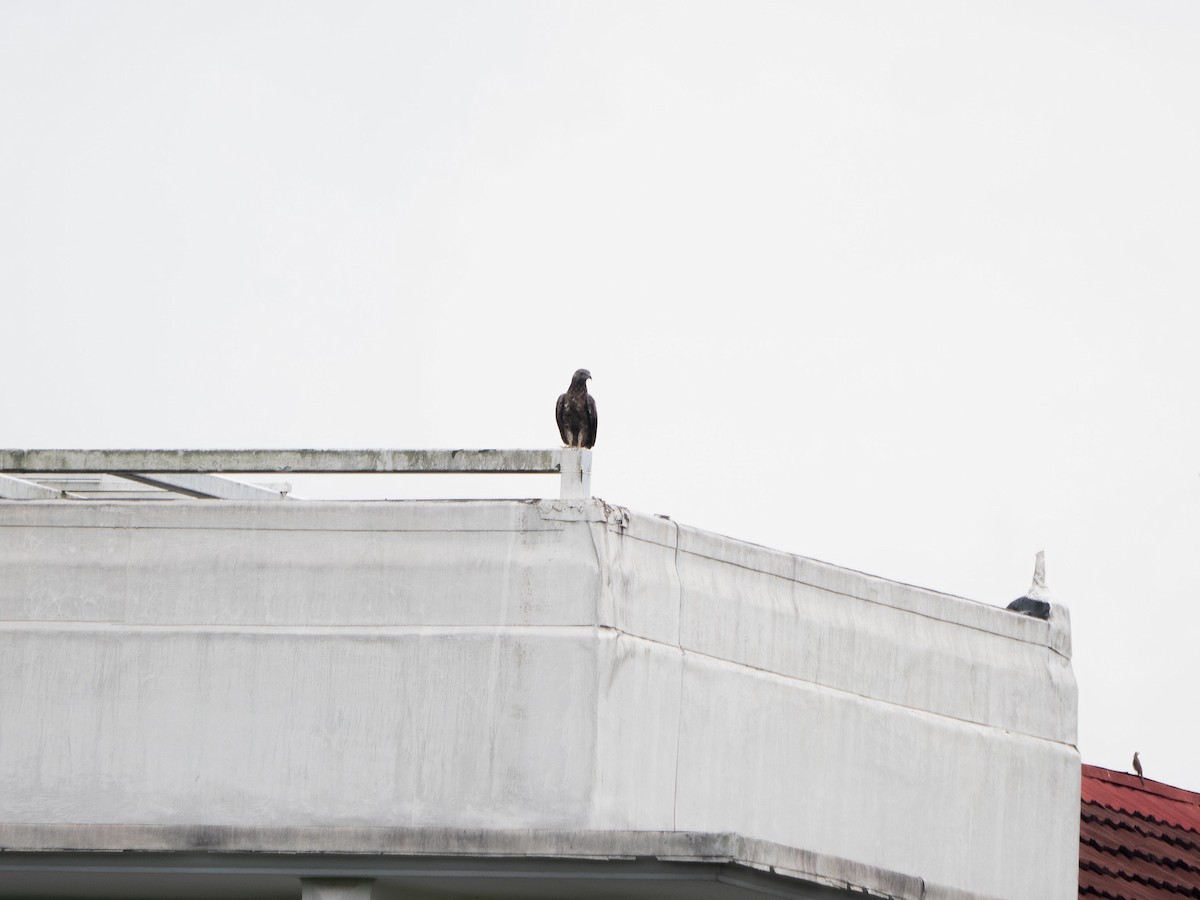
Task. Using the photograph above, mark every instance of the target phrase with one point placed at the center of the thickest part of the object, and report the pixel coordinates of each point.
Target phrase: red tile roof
(1137, 841)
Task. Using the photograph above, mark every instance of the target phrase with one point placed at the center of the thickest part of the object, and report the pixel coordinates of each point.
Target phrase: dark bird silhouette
(576, 412)
(1137, 767)
(1036, 601)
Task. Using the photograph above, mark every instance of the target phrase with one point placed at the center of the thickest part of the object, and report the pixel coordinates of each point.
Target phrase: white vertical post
(576, 474)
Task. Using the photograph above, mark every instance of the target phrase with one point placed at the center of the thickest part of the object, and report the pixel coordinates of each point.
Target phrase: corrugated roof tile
(1137, 840)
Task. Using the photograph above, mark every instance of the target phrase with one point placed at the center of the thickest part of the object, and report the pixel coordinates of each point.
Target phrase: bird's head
(581, 376)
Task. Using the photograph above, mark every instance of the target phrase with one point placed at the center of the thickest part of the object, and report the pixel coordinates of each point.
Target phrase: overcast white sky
(908, 287)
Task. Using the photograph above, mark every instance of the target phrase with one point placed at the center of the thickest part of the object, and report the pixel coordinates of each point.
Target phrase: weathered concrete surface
(548, 666)
(188, 470)
(191, 461)
(214, 487)
(21, 489)
(408, 859)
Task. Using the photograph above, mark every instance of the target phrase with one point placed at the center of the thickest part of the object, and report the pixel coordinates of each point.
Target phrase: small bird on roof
(1036, 601)
(576, 412)
(1137, 767)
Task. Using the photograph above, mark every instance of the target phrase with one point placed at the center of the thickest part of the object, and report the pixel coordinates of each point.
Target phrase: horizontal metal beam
(291, 461)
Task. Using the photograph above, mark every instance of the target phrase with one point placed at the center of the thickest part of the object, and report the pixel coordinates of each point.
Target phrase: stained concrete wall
(555, 665)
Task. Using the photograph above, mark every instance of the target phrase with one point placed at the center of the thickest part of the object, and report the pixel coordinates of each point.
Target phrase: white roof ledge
(313, 848)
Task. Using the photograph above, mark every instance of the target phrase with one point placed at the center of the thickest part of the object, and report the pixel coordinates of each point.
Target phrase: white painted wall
(538, 665)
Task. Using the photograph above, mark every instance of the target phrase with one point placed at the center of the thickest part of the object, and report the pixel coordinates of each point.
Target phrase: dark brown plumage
(576, 412)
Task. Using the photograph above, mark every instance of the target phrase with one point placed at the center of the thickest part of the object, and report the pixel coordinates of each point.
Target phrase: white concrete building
(554, 698)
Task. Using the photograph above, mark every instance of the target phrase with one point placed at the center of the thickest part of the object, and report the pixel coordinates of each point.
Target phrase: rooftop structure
(1138, 838)
(531, 698)
(171, 474)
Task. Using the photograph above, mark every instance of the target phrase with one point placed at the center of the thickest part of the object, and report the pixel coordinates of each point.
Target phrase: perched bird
(1137, 767)
(576, 412)
(1036, 601)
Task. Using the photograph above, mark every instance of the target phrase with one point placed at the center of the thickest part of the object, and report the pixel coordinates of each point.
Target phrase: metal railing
(45, 474)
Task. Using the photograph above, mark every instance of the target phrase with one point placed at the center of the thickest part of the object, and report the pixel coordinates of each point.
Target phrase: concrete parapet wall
(552, 665)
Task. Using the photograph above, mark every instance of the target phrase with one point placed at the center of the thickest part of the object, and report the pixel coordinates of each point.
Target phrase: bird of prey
(576, 412)
(1036, 601)
(1137, 767)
